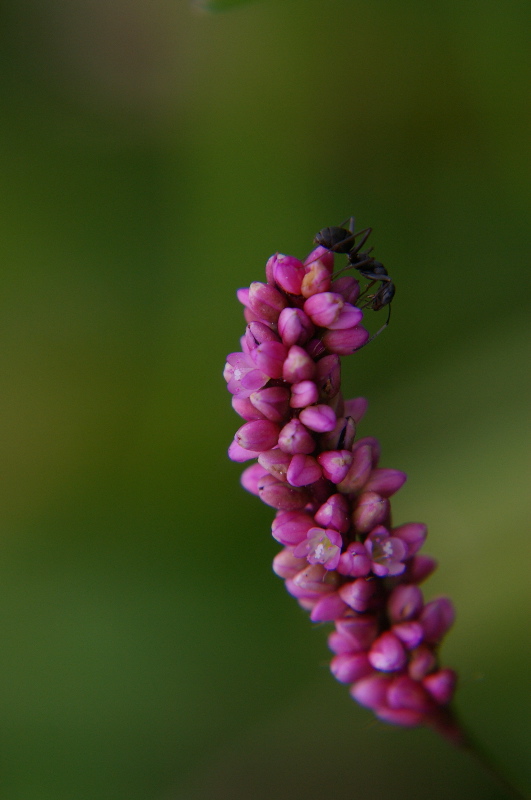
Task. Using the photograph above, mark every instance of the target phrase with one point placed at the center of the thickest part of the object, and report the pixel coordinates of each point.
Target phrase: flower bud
(348, 287)
(288, 273)
(265, 301)
(245, 409)
(303, 470)
(281, 495)
(441, 685)
(436, 618)
(303, 394)
(358, 472)
(350, 667)
(328, 608)
(295, 438)
(291, 527)
(258, 332)
(319, 418)
(323, 309)
(285, 565)
(269, 357)
(239, 454)
(356, 408)
(407, 693)
(345, 342)
(258, 435)
(342, 437)
(334, 513)
(276, 463)
(316, 280)
(359, 594)
(272, 402)
(387, 653)
(335, 464)
(370, 510)
(298, 366)
(295, 327)
(328, 376)
(251, 477)
(385, 481)
(405, 603)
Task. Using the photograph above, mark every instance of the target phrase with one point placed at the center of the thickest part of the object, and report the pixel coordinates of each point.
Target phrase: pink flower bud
(295, 327)
(285, 565)
(342, 437)
(345, 342)
(303, 394)
(348, 317)
(303, 470)
(413, 534)
(370, 510)
(328, 608)
(359, 594)
(265, 301)
(350, 667)
(356, 408)
(335, 464)
(244, 407)
(405, 603)
(239, 454)
(251, 477)
(358, 472)
(291, 527)
(348, 287)
(436, 618)
(298, 366)
(272, 402)
(276, 463)
(372, 691)
(334, 514)
(295, 438)
(409, 633)
(387, 653)
(258, 435)
(355, 561)
(281, 495)
(328, 376)
(319, 418)
(326, 257)
(422, 661)
(407, 693)
(324, 308)
(405, 717)
(361, 631)
(419, 568)
(374, 444)
(288, 273)
(316, 280)
(441, 685)
(385, 481)
(258, 332)
(315, 578)
(269, 357)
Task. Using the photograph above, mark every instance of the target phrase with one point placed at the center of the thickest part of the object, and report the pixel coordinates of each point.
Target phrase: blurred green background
(152, 158)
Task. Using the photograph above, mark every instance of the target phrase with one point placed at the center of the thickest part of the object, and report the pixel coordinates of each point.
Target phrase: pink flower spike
(328, 608)
(321, 547)
(295, 438)
(265, 301)
(386, 552)
(345, 342)
(441, 685)
(303, 394)
(298, 366)
(387, 653)
(269, 357)
(316, 280)
(335, 464)
(288, 273)
(272, 402)
(276, 463)
(350, 667)
(295, 327)
(291, 527)
(436, 619)
(251, 477)
(239, 454)
(334, 513)
(319, 418)
(356, 408)
(258, 435)
(280, 495)
(385, 481)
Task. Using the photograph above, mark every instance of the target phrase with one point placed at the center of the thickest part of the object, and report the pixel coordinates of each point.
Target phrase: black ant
(343, 240)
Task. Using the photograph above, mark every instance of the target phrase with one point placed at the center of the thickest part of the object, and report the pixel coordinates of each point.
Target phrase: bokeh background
(152, 157)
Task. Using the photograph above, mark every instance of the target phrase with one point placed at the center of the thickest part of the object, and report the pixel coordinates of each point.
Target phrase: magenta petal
(328, 608)
(387, 653)
(350, 667)
(303, 470)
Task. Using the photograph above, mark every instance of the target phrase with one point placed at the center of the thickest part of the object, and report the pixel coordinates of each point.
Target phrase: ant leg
(382, 328)
(351, 224)
(367, 232)
(373, 277)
